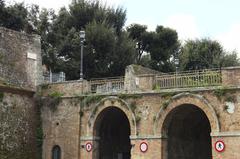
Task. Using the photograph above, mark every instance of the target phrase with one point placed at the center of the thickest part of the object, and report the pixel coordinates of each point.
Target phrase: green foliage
(221, 92)
(230, 98)
(226, 94)
(165, 104)
(137, 33)
(88, 100)
(133, 106)
(52, 100)
(164, 45)
(161, 45)
(55, 94)
(44, 86)
(156, 87)
(106, 42)
(129, 96)
(168, 94)
(14, 16)
(205, 53)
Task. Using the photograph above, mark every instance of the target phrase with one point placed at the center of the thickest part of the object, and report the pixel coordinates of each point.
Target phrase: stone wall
(19, 122)
(20, 59)
(67, 89)
(231, 76)
(71, 125)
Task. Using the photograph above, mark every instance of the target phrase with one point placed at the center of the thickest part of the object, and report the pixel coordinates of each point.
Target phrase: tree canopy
(109, 47)
(161, 44)
(205, 53)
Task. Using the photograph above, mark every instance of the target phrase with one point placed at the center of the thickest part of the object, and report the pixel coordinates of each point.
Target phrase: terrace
(147, 80)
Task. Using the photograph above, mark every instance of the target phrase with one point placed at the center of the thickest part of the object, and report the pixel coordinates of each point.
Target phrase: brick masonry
(77, 120)
(70, 121)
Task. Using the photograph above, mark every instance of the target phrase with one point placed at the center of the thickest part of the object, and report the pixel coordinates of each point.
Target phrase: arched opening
(112, 135)
(56, 152)
(187, 131)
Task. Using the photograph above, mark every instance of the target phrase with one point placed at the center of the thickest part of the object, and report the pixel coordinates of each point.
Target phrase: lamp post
(82, 39)
(176, 62)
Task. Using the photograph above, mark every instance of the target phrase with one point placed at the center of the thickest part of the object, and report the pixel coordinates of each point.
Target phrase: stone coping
(16, 90)
(152, 92)
(20, 33)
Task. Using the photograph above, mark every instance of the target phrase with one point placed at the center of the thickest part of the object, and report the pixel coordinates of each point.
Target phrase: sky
(214, 19)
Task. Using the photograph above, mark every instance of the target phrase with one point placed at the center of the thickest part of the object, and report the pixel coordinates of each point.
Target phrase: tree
(138, 33)
(104, 46)
(163, 46)
(205, 53)
(14, 16)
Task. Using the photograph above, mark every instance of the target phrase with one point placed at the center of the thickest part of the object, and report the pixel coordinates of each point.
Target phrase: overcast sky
(216, 19)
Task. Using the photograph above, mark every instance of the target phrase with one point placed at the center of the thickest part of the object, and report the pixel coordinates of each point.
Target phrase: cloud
(185, 25)
(230, 39)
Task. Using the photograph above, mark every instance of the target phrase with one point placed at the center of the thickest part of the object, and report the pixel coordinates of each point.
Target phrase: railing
(50, 77)
(9, 76)
(199, 78)
(107, 85)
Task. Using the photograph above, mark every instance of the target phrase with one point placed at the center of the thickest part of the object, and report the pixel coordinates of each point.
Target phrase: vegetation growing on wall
(225, 93)
(165, 104)
(129, 96)
(52, 100)
(86, 101)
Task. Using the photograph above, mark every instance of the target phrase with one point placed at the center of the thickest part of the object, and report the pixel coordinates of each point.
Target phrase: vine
(88, 100)
(51, 101)
(225, 93)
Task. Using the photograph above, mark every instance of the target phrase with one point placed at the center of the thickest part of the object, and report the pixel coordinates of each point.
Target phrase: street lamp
(176, 62)
(82, 39)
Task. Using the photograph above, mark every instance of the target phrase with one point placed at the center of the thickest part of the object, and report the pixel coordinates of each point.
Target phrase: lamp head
(82, 35)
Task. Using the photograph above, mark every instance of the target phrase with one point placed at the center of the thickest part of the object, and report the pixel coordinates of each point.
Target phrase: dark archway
(112, 133)
(56, 152)
(187, 129)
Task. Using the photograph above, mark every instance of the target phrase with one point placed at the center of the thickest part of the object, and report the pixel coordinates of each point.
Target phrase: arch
(56, 152)
(112, 134)
(182, 99)
(112, 101)
(187, 134)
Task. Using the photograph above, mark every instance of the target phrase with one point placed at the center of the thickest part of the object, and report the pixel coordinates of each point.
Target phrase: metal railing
(9, 76)
(50, 77)
(198, 78)
(107, 85)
